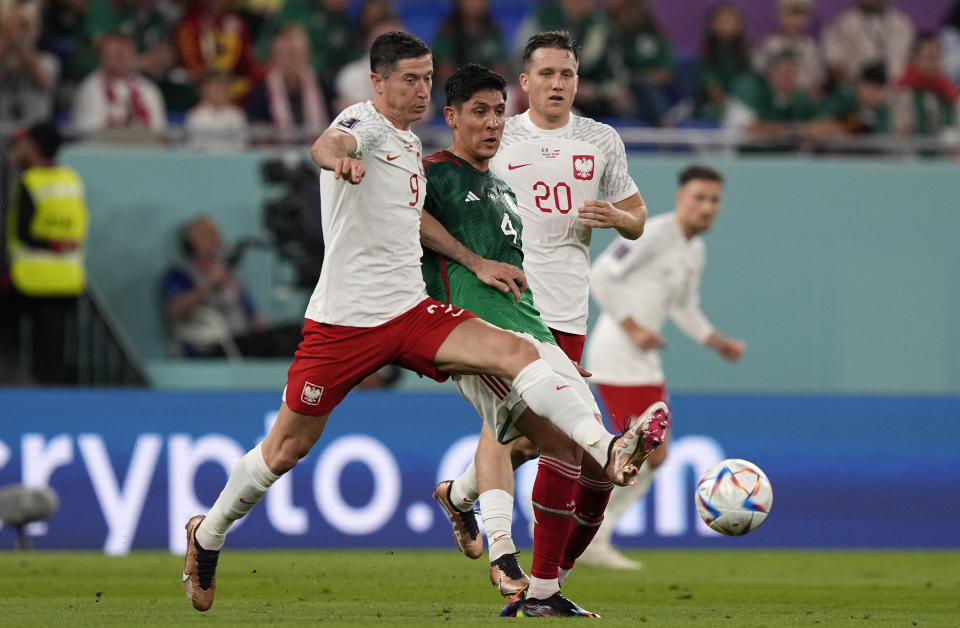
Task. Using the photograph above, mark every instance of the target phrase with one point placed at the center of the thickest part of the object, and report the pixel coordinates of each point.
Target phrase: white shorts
(500, 405)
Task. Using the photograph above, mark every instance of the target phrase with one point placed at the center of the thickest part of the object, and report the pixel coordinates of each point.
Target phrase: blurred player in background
(558, 164)
(638, 284)
(478, 209)
(370, 306)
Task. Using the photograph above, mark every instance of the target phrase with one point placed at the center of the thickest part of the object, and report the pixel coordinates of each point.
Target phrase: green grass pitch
(421, 588)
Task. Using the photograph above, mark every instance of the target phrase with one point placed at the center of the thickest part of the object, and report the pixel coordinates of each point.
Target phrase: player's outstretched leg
(199, 569)
(628, 451)
(466, 532)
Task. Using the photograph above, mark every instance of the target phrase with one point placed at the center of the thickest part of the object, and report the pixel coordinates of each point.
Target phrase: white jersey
(553, 172)
(647, 280)
(371, 231)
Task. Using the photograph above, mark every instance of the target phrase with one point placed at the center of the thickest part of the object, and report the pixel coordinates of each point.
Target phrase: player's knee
(517, 353)
(286, 456)
(522, 450)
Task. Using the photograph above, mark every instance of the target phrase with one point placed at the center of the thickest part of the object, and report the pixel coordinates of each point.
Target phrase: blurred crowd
(131, 70)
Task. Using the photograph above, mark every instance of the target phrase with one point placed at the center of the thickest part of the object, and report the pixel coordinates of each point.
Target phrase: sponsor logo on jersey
(549, 153)
(583, 167)
(471, 197)
(392, 157)
(515, 166)
(348, 123)
(311, 394)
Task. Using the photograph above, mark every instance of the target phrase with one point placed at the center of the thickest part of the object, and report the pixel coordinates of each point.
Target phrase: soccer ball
(734, 497)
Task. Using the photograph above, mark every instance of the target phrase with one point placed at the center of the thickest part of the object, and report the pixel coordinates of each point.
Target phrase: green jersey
(479, 210)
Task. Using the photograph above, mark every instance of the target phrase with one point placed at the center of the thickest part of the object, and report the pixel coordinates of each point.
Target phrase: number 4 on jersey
(507, 227)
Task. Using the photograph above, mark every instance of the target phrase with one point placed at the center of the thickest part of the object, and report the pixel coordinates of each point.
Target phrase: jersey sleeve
(616, 183)
(365, 125)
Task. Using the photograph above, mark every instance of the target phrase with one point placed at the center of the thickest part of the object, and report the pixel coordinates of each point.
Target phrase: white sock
(563, 575)
(542, 588)
(547, 395)
(621, 499)
(464, 491)
(496, 511)
(247, 484)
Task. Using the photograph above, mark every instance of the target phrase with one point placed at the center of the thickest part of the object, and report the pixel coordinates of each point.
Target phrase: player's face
(404, 95)
(550, 82)
(477, 126)
(697, 205)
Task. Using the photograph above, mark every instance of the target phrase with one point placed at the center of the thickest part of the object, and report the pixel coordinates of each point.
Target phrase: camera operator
(209, 312)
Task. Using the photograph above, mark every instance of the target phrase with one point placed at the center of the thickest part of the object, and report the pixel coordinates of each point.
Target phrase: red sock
(591, 497)
(553, 508)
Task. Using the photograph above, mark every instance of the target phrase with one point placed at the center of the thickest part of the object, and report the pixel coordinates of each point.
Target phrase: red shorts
(333, 359)
(625, 402)
(571, 344)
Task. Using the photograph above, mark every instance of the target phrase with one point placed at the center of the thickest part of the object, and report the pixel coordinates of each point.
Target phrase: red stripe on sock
(552, 493)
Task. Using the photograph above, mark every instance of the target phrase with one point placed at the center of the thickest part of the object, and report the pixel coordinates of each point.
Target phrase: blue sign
(131, 467)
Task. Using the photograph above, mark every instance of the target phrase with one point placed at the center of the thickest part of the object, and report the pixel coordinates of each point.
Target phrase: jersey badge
(583, 167)
(348, 123)
(311, 394)
(549, 153)
(471, 197)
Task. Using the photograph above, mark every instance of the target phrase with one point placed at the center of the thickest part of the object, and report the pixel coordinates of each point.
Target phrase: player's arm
(504, 277)
(332, 151)
(627, 216)
(691, 320)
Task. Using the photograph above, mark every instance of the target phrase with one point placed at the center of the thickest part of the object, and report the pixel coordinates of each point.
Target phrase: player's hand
(502, 276)
(598, 214)
(646, 339)
(350, 169)
(730, 349)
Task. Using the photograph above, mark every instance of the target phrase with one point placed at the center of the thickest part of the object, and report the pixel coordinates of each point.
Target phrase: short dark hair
(394, 46)
(694, 172)
(470, 79)
(46, 137)
(874, 74)
(560, 40)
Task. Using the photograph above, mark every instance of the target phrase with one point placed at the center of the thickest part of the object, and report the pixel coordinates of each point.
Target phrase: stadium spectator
(216, 124)
(353, 83)
(159, 64)
(950, 41)
(724, 58)
(28, 76)
(210, 313)
(602, 91)
(863, 109)
(290, 97)
(115, 96)
(144, 21)
(793, 36)
(771, 105)
(61, 34)
(329, 29)
(46, 227)
(868, 32)
(212, 37)
(469, 34)
(648, 56)
(926, 99)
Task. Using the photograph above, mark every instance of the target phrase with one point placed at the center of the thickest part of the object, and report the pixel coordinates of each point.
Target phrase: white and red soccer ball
(734, 497)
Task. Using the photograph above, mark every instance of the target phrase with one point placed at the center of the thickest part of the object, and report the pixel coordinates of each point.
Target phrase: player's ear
(450, 115)
(377, 81)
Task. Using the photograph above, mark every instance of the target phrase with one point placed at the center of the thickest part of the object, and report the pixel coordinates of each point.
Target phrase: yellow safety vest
(60, 213)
